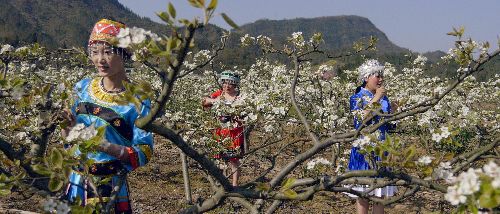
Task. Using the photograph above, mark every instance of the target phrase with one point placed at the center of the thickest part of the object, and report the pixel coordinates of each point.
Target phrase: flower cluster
(317, 161)
(443, 171)
(469, 182)
(420, 60)
(80, 132)
(362, 142)
(134, 35)
(59, 207)
(425, 160)
(443, 133)
(6, 48)
(247, 40)
(297, 39)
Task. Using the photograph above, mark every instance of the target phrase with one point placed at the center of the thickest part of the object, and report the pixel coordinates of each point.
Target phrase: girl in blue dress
(126, 147)
(371, 91)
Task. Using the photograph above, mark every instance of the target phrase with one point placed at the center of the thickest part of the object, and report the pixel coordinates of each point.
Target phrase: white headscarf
(368, 68)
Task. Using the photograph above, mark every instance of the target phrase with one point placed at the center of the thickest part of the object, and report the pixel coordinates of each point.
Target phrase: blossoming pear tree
(299, 125)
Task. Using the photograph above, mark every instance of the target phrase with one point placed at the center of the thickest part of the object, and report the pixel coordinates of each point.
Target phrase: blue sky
(418, 25)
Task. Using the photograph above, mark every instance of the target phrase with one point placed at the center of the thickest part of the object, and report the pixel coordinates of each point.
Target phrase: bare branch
(313, 137)
(176, 139)
(470, 157)
(169, 84)
(209, 60)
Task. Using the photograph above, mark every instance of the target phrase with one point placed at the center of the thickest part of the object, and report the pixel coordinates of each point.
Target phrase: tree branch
(176, 139)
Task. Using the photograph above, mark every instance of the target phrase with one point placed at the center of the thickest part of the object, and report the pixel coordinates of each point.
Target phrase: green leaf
(67, 171)
(4, 178)
(487, 198)
(4, 192)
(376, 105)
(42, 170)
(77, 209)
(105, 180)
(171, 10)
(170, 44)
(19, 176)
(55, 183)
(428, 171)
(410, 152)
(229, 21)
(263, 187)
(287, 184)
(56, 159)
(184, 21)
(88, 209)
(290, 194)
(452, 33)
(163, 16)
(212, 5)
(195, 3)
(101, 131)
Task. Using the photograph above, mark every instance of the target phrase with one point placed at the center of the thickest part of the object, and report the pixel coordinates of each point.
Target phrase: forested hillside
(63, 24)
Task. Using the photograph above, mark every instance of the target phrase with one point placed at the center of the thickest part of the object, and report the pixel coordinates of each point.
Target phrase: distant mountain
(339, 32)
(434, 56)
(63, 23)
(66, 23)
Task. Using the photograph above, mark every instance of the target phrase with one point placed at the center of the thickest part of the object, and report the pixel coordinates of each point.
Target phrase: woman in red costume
(228, 95)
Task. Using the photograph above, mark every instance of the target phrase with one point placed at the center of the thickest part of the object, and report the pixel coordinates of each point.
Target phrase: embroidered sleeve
(141, 150)
(216, 94)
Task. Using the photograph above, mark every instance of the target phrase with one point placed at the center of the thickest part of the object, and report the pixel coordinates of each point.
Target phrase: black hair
(124, 53)
(361, 86)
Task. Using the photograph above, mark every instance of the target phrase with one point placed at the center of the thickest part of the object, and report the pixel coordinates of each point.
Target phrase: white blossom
(269, 128)
(21, 135)
(137, 35)
(469, 182)
(22, 49)
(49, 205)
(443, 171)
(454, 197)
(492, 170)
(62, 208)
(79, 131)
(17, 93)
(124, 32)
(312, 164)
(425, 160)
(445, 133)
(61, 87)
(436, 137)
(6, 48)
(420, 60)
(124, 42)
(247, 40)
(361, 142)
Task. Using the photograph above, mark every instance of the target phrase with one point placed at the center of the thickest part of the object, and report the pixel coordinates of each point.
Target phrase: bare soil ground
(158, 188)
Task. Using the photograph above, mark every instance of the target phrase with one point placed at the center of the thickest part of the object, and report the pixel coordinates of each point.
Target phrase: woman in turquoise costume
(126, 147)
(371, 91)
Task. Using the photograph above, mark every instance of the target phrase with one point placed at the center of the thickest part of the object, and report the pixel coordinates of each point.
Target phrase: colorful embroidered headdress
(105, 30)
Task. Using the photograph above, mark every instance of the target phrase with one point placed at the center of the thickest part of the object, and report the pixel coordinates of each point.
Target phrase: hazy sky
(418, 25)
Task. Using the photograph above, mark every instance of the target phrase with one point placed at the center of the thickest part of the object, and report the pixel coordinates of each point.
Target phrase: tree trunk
(185, 174)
